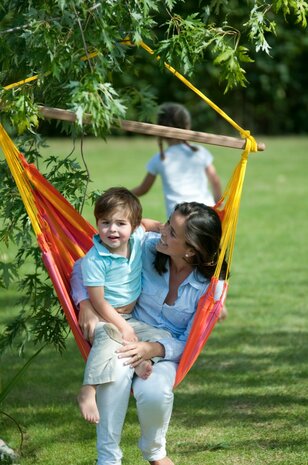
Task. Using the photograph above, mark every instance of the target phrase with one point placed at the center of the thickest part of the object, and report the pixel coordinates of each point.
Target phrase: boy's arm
(145, 186)
(151, 225)
(109, 314)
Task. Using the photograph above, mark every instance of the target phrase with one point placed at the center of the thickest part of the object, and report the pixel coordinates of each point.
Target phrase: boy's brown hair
(116, 197)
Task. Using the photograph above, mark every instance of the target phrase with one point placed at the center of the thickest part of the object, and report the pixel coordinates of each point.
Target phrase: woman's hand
(137, 352)
(87, 319)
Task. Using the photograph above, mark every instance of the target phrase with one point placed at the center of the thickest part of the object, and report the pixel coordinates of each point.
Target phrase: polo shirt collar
(102, 249)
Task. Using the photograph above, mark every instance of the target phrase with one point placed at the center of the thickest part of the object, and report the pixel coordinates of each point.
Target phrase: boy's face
(115, 230)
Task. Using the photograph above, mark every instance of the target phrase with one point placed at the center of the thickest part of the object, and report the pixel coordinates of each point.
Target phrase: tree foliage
(79, 54)
(54, 39)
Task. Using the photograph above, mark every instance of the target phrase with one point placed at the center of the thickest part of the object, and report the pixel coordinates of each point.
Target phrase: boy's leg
(87, 403)
(99, 369)
(154, 398)
(145, 368)
(148, 333)
(113, 332)
(101, 359)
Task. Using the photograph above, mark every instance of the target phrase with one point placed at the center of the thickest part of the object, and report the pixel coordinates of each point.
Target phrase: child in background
(111, 272)
(186, 170)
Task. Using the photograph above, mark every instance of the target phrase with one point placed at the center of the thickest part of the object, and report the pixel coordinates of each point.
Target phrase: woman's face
(172, 240)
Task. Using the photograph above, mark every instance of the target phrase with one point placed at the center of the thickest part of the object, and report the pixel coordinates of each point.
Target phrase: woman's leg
(112, 402)
(154, 398)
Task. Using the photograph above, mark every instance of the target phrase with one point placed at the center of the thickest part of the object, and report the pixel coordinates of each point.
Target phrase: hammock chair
(63, 235)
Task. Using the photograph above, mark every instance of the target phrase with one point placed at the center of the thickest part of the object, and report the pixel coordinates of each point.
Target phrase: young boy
(111, 272)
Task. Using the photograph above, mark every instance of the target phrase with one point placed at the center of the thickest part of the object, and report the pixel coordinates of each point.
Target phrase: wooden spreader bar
(156, 130)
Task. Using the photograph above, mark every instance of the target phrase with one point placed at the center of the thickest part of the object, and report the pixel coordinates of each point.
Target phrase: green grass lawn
(245, 400)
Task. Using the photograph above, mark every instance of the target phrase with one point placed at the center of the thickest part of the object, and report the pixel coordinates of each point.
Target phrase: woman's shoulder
(149, 243)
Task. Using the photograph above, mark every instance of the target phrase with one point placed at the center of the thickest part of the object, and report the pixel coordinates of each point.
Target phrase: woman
(177, 268)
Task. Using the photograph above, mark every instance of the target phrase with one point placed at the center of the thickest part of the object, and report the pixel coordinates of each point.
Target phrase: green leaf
(225, 56)
(8, 272)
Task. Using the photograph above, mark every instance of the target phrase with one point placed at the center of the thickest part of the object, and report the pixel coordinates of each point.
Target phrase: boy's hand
(128, 334)
(87, 319)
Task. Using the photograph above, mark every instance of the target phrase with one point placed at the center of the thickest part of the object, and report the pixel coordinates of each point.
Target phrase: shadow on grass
(207, 445)
(251, 369)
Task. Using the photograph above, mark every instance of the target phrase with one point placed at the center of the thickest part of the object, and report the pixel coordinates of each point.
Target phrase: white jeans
(154, 399)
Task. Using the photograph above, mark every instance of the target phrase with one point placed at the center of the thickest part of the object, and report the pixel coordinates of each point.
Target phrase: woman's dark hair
(203, 234)
(116, 197)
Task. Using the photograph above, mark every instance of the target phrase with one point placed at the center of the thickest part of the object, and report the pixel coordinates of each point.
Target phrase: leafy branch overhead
(55, 40)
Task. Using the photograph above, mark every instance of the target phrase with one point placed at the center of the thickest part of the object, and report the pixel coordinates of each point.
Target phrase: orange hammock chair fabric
(64, 236)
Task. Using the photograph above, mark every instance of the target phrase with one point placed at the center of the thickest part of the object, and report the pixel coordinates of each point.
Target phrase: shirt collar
(195, 279)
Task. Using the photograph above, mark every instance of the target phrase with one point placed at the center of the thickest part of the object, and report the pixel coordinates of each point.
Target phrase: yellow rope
(21, 83)
(244, 133)
(231, 204)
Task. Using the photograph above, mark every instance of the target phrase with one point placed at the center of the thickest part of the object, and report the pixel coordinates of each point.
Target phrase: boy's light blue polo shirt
(120, 277)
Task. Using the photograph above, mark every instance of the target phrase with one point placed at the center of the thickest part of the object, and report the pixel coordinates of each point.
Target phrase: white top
(183, 175)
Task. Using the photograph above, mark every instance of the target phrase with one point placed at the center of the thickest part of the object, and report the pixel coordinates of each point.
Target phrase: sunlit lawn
(245, 400)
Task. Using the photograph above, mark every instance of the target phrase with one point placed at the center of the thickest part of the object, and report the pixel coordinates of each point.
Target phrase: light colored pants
(100, 363)
(154, 400)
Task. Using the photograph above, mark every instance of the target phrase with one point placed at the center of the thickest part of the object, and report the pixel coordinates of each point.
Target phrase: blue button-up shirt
(152, 309)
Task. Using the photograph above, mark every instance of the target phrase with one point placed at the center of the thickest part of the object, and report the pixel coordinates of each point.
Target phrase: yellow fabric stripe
(11, 154)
